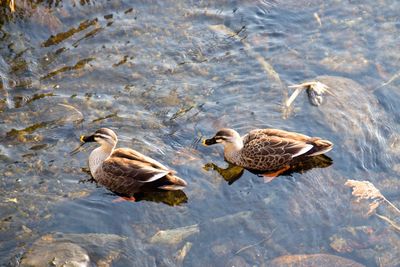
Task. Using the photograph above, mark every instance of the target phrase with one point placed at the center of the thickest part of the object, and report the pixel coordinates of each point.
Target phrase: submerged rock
(350, 107)
(312, 260)
(345, 62)
(351, 238)
(355, 117)
(174, 236)
(177, 235)
(72, 250)
(237, 261)
(368, 243)
(60, 254)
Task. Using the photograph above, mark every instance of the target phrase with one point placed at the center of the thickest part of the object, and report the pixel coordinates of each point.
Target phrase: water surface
(167, 73)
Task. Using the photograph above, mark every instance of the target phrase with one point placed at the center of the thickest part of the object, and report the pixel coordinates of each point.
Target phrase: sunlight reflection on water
(162, 78)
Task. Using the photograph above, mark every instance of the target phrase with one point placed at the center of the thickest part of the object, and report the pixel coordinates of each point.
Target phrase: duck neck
(98, 156)
(232, 150)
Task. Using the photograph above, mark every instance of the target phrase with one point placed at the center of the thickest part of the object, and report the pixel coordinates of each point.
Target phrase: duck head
(104, 136)
(226, 137)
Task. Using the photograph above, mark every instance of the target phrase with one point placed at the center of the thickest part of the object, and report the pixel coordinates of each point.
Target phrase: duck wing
(134, 155)
(275, 132)
(319, 146)
(131, 165)
(273, 151)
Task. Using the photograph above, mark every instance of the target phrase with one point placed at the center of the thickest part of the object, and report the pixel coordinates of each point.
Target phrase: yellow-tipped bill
(209, 142)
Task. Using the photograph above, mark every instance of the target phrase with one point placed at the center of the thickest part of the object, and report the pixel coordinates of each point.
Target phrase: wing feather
(134, 155)
(273, 149)
(132, 170)
(276, 132)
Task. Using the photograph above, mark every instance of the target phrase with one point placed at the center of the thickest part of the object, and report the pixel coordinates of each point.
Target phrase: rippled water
(165, 74)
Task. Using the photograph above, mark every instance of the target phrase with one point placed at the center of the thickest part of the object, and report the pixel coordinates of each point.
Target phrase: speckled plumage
(268, 149)
(126, 171)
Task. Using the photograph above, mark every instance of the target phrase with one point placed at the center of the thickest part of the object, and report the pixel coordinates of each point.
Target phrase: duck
(264, 150)
(124, 170)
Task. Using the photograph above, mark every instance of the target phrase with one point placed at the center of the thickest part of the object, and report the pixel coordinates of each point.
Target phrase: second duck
(267, 149)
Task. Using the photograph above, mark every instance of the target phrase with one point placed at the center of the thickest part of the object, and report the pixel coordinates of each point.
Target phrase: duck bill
(87, 138)
(209, 142)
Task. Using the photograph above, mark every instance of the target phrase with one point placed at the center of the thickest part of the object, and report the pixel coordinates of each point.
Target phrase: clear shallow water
(163, 77)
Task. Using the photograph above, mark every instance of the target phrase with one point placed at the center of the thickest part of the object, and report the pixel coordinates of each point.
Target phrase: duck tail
(173, 182)
(320, 147)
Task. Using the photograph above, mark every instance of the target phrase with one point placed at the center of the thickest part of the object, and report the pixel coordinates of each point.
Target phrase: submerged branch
(392, 223)
(393, 78)
(391, 205)
(256, 244)
(12, 5)
(293, 96)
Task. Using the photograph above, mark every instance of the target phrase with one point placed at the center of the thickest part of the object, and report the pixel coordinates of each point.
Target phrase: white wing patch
(321, 152)
(304, 150)
(156, 176)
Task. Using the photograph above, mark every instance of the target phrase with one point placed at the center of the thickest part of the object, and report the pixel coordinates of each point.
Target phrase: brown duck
(268, 149)
(124, 170)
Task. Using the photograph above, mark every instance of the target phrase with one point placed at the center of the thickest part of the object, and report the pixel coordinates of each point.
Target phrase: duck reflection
(232, 173)
(171, 198)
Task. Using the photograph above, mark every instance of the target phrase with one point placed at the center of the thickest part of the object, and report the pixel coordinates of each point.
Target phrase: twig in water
(293, 97)
(317, 87)
(80, 115)
(392, 223)
(394, 77)
(318, 19)
(256, 244)
(12, 5)
(77, 149)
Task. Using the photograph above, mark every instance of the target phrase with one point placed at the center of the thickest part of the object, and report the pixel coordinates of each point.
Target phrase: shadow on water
(232, 173)
(171, 198)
